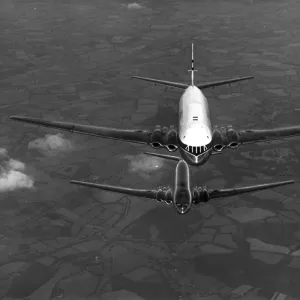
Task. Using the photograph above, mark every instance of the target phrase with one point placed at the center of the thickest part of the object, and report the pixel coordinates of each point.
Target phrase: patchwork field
(72, 61)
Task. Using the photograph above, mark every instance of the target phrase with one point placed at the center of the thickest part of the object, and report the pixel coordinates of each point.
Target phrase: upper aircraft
(181, 195)
(195, 137)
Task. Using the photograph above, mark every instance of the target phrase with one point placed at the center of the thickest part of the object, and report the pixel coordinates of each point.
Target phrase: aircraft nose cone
(183, 208)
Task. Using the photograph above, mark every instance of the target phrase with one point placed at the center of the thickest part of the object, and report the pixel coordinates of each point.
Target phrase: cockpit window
(196, 150)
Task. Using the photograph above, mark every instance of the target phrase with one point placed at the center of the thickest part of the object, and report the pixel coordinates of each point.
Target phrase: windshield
(196, 150)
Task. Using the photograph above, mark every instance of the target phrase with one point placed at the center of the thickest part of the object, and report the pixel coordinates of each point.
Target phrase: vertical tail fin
(192, 70)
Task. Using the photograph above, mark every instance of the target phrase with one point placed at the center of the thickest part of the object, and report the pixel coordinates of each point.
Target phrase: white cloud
(51, 144)
(144, 164)
(15, 165)
(3, 152)
(12, 174)
(134, 6)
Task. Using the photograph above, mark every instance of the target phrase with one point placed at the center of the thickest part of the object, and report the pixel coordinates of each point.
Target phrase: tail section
(192, 70)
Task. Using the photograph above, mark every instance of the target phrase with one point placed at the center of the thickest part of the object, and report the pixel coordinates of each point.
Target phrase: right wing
(150, 194)
(251, 136)
(247, 189)
(135, 136)
(200, 86)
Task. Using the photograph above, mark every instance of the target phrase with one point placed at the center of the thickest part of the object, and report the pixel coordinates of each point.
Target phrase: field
(72, 61)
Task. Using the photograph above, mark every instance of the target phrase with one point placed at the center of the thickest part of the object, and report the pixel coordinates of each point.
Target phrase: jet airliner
(181, 196)
(195, 136)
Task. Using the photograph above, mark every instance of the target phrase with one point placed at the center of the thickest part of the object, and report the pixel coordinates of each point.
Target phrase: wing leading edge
(136, 136)
(200, 86)
(152, 194)
(264, 135)
(144, 136)
(247, 189)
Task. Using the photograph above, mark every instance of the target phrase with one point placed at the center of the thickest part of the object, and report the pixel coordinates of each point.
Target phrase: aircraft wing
(135, 136)
(200, 86)
(265, 135)
(247, 189)
(150, 194)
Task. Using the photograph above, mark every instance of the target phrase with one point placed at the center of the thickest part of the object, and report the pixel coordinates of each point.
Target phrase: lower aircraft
(195, 137)
(181, 195)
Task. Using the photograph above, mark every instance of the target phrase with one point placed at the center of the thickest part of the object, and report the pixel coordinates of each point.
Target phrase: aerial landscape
(72, 61)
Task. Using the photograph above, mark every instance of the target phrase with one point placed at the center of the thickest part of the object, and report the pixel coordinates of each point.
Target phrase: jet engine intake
(164, 194)
(225, 137)
(171, 137)
(157, 138)
(156, 145)
(171, 148)
(200, 195)
(164, 137)
(218, 145)
(233, 138)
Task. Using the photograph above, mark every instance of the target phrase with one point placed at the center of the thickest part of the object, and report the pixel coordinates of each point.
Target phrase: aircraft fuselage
(194, 128)
(182, 199)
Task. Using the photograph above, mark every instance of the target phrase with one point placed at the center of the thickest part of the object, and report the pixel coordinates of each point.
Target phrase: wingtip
(288, 182)
(18, 118)
(74, 181)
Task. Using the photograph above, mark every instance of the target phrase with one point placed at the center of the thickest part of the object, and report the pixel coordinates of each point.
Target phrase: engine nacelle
(171, 148)
(164, 137)
(164, 194)
(200, 195)
(218, 144)
(225, 137)
(171, 140)
(233, 138)
(157, 138)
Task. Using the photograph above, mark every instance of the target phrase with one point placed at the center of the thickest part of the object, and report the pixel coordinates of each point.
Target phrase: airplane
(195, 137)
(181, 195)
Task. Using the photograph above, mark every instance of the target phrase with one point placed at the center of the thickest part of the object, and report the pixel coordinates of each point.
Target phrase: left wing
(247, 189)
(263, 135)
(150, 194)
(135, 136)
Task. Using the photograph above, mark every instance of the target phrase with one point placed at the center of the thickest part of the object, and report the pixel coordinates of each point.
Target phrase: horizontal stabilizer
(223, 82)
(200, 86)
(163, 82)
(171, 157)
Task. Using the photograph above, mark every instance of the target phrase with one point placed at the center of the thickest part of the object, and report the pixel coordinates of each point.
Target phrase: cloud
(134, 6)
(144, 164)
(51, 144)
(12, 174)
(3, 152)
